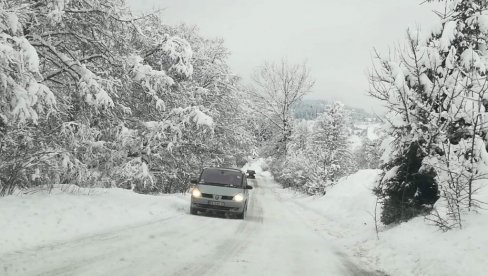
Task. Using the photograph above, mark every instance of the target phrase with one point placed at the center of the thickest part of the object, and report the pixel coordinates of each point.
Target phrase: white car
(220, 190)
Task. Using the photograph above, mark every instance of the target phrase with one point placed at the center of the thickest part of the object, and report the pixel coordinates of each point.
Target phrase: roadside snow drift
(411, 248)
(30, 220)
(280, 221)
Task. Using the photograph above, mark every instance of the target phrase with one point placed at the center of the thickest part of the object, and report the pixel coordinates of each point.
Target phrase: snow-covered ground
(68, 212)
(118, 232)
(82, 234)
(412, 248)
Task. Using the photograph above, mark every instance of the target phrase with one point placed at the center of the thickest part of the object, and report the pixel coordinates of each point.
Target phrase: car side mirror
(248, 187)
(194, 181)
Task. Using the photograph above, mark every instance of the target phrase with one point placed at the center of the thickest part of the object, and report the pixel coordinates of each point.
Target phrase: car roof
(225, 169)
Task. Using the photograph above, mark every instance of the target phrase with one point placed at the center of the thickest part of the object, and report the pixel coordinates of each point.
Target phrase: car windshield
(221, 177)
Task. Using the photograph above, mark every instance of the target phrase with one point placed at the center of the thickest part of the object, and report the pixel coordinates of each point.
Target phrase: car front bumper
(229, 206)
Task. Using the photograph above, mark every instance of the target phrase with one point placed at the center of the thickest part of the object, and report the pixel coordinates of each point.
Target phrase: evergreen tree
(330, 147)
(435, 91)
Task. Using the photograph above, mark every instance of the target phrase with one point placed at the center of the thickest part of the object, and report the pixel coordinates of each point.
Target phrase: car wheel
(243, 214)
(193, 211)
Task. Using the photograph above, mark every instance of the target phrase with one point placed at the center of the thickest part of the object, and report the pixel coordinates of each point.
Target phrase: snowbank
(29, 220)
(416, 248)
(412, 248)
(349, 205)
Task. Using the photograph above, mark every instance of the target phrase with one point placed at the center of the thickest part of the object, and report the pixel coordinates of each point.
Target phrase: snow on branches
(56, 8)
(180, 53)
(319, 152)
(153, 81)
(92, 90)
(438, 87)
(130, 95)
(23, 95)
(179, 119)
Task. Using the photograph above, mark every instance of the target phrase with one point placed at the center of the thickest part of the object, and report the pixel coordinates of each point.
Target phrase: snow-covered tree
(296, 171)
(220, 135)
(435, 91)
(94, 96)
(330, 147)
(368, 155)
(24, 99)
(318, 153)
(278, 87)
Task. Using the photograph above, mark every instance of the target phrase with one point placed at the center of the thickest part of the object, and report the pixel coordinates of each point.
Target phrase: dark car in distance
(251, 174)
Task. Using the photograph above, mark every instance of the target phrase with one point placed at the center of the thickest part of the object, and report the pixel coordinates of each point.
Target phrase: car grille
(215, 207)
(212, 196)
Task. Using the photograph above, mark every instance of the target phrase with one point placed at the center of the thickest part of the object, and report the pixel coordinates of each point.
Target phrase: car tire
(193, 211)
(243, 214)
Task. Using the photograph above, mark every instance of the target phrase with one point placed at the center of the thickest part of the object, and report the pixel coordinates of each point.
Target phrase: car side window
(244, 182)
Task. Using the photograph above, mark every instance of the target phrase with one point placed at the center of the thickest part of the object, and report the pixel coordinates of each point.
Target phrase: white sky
(336, 37)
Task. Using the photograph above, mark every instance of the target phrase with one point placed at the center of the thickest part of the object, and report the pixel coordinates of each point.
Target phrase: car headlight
(239, 197)
(196, 193)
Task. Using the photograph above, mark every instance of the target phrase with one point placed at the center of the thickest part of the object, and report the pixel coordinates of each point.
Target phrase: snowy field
(105, 231)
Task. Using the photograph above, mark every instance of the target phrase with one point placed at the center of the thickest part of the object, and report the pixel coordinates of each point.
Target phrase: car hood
(218, 190)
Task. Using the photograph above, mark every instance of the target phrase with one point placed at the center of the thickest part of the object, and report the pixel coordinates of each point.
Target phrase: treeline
(92, 95)
(319, 151)
(308, 154)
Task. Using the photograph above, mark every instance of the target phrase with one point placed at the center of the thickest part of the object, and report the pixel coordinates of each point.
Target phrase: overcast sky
(336, 37)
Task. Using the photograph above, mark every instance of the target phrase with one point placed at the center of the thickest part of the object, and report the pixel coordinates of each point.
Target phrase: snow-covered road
(278, 237)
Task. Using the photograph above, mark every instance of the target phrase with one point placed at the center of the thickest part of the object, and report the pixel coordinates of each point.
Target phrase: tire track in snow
(31, 256)
(75, 257)
(352, 267)
(229, 247)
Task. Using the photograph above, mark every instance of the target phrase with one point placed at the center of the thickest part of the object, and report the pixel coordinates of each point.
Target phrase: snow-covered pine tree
(463, 169)
(435, 90)
(330, 148)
